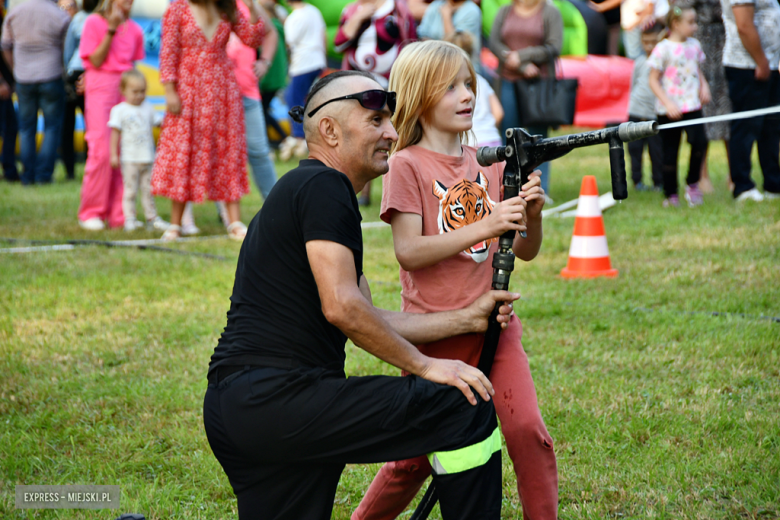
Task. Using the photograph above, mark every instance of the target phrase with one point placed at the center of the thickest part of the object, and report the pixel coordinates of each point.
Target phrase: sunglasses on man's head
(369, 99)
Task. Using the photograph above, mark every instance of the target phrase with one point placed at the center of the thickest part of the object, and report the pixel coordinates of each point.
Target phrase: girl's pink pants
(529, 445)
(101, 191)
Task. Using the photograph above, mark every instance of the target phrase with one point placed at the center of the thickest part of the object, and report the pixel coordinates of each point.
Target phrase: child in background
(440, 204)
(131, 122)
(275, 78)
(641, 108)
(488, 111)
(678, 83)
(304, 33)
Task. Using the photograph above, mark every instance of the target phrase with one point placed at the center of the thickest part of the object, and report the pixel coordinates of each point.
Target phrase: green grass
(657, 408)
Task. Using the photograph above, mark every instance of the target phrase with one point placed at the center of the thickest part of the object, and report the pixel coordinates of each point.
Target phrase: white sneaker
(189, 229)
(157, 223)
(132, 225)
(754, 195)
(92, 224)
(768, 195)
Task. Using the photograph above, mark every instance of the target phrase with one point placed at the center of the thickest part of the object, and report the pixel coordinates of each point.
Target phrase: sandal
(237, 231)
(172, 233)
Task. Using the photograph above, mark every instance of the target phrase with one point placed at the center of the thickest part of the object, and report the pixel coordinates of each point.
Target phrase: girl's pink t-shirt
(679, 64)
(127, 46)
(449, 193)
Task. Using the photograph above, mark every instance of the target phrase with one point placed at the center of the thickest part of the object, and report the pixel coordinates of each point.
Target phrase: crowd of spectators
(60, 57)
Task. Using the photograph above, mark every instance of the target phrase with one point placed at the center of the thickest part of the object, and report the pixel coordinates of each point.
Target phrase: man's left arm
(425, 328)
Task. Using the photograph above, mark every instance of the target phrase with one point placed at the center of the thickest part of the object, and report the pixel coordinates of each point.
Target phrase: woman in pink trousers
(110, 44)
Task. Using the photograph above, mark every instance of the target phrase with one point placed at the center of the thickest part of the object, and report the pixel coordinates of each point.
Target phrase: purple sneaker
(694, 195)
(672, 201)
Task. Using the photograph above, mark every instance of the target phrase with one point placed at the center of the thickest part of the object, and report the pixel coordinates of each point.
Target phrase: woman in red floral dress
(202, 149)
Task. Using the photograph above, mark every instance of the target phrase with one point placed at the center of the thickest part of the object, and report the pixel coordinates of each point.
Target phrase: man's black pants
(747, 93)
(283, 437)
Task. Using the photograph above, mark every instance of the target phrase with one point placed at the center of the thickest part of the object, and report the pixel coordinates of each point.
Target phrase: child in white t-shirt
(488, 111)
(131, 123)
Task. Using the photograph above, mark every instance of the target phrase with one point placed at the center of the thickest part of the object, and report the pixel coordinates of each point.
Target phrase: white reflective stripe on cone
(588, 247)
(588, 206)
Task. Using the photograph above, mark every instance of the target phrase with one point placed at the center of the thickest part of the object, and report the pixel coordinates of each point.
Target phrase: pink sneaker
(694, 195)
(672, 201)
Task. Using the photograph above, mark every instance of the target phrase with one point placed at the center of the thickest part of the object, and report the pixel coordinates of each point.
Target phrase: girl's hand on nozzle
(533, 194)
(506, 215)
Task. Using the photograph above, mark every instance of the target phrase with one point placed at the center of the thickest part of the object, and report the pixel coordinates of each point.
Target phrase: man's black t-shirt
(275, 309)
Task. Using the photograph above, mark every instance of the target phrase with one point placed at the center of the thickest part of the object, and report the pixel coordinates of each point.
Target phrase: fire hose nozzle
(628, 132)
(488, 155)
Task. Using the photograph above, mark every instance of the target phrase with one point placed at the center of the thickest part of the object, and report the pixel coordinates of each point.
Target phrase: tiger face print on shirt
(465, 203)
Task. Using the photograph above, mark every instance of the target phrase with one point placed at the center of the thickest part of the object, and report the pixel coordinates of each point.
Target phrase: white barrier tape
(725, 117)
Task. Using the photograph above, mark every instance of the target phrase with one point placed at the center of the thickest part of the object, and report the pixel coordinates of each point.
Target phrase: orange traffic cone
(588, 254)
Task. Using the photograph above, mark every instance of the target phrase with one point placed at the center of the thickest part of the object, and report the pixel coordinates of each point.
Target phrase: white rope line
(140, 242)
(725, 117)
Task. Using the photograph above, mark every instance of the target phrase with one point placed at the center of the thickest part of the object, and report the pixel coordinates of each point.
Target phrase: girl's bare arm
(416, 251)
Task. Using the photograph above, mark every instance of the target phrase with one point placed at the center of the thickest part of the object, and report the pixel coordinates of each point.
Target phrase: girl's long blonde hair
(420, 77)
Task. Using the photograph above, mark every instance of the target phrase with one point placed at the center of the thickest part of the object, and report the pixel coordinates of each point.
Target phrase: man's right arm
(748, 34)
(345, 306)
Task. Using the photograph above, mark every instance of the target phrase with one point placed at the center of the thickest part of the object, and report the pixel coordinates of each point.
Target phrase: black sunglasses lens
(374, 99)
(391, 102)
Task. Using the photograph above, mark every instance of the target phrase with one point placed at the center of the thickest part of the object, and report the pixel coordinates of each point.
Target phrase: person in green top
(275, 79)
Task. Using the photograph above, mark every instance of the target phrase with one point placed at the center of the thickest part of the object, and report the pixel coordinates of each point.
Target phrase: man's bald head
(333, 86)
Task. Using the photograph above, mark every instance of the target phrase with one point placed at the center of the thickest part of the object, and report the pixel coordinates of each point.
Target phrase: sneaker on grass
(189, 229)
(693, 195)
(754, 195)
(768, 195)
(672, 201)
(157, 223)
(133, 225)
(92, 224)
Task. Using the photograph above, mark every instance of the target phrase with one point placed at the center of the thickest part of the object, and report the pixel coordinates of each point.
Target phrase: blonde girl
(445, 215)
